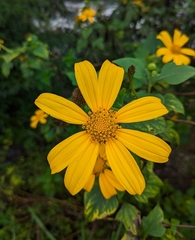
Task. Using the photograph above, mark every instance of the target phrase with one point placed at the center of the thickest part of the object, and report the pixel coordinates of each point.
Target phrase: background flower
(38, 117)
(173, 48)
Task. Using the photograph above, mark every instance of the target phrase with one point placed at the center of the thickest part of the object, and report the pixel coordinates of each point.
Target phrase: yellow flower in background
(39, 116)
(86, 14)
(138, 2)
(107, 180)
(80, 151)
(173, 50)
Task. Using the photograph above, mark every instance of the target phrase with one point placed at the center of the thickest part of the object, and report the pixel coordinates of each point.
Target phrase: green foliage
(152, 223)
(96, 206)
(37, 57)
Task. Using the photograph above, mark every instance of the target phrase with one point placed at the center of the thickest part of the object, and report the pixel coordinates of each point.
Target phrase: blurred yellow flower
(107, 180)
(39, 116)
(173, 48)
(101, 127)
(138, 2)
(86, 14)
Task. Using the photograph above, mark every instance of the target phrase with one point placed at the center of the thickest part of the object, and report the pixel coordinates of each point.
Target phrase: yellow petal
(188, 51)
(145, 145)
(79, 171)
(165, 37)
(61, 108)
(89, 185)
(179, 39)
(68, 151)
(34, 123)
(43, 120)
(141, 109)
(167, 58)
(110, 80)
(124, 167)
(163, 51)
(113, 180)
(180, 59)
(87, 81)
(106, 187)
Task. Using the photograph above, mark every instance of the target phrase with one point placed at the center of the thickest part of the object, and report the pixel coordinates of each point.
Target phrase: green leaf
(5, 68)
(170, 134)
(96, 206)
(98, 43)
(154, 126)
(174, 223)
(191, 206)
(13, 54)
(172, 103)
(140, 73)
(168, 235)
(72, 78)
(153, 184)
(128, 215)
(40, 224)
(174, 74)
(152, 224)
(41, 51)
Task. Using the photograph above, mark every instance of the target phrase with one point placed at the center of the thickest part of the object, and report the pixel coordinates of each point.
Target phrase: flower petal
(124, 167)
(188, 51)
(144, 145)
(68, 151)
(113, 180)
(180, 59)
(163, 51)
(179, 39)
(87, 81)
(165, 37)
(167, 58)
(141, 109)
(61, 108)
(89, 185)
(110, 80)
(106, 187)
(79, 171)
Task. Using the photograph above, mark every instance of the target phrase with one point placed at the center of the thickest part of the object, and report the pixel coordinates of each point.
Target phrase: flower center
(101, 125)
(175, 49)
(100, 165)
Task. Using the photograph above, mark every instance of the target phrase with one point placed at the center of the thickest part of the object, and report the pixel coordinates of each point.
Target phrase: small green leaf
(191, 206)
(172, 103)
(153, 184)
(152, 224)
(168, 235)
(174, 223)
(72, 78)
(5, 68)
(128, 215)
(127, 62)
(96, 206)
(154, 126)
(174, 74)
(41, 51)
(170, 134)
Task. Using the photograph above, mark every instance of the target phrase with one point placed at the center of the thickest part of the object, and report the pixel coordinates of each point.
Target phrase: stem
(131, 72)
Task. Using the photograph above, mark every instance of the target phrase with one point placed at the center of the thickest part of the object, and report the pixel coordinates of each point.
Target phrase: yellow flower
(138, 2)
(107, 180)
(101, 126)
(173, 48)
(38, 117)
(87, 14)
